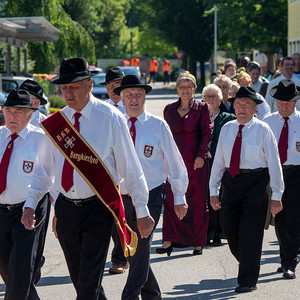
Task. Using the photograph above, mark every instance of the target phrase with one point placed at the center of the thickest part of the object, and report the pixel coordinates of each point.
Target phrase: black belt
(286, 167)
(248, 171)
(11, 207)
(79, 202)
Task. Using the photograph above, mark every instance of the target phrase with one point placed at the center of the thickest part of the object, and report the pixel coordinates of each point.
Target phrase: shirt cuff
(142, 211)
(179, 199)
(30, 202)
(276, 196)
(214, 192)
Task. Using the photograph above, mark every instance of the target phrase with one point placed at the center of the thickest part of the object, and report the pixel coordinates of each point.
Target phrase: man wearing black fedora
(247, 164)
(83, 222)
(37, 98)
(113, 80)
(285, 125)
(19, 143)
(160, 160)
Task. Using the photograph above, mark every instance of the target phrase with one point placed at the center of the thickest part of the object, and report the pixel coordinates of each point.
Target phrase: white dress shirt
(120, 106)
(37, 118)
(159, 155)
(104, 128)
(259, 150)
(272, 101)
(21, 164)
(276, 122)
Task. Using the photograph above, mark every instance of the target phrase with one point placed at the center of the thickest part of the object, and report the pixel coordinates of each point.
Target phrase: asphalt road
(182, 275)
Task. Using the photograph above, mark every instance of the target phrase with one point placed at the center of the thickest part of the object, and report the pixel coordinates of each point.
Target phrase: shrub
(57, 101)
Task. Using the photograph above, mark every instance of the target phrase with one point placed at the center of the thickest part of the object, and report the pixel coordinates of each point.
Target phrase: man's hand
(28, 218)
(275, 207)
(180, 210)
(54, 220)
(215, 203)
(145, 226)
(199, 162)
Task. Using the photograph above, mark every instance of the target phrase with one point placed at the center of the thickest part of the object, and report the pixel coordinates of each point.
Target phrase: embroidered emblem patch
(69, 142)
(298, 146)
(148, 150)
(27, 166)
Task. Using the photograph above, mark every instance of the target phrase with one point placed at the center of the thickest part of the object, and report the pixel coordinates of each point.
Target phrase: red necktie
(115, 105)
(67, 172)
(5, 162)
(283, 141)
(132, 129)
(234, 167)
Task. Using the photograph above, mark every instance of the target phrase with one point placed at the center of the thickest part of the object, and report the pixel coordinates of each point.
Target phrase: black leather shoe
(245, 289)
(280, 269)
(198, 252)
(217, 242)
(289, 273)
(162, 250)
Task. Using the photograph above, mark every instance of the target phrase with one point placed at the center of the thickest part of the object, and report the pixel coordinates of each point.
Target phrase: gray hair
(223, 78)
(213, 87)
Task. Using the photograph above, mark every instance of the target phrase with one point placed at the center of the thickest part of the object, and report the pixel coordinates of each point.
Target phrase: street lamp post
(215, 36)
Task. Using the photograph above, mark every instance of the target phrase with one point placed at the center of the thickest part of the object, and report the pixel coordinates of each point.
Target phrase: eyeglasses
(135, 95)
(210, 96)
(181, 88)
(112, 85)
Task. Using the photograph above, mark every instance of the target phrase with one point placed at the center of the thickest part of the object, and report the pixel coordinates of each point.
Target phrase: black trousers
(287, 222)
(166, 77)
(117, 254)
(244, 207)
(84, 234)
(18, 251)
(141, 280)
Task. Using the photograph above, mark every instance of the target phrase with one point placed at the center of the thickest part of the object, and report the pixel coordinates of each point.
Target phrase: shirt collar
(141, 118)
(248, 124)
(291, 117)
(22, 134)
(86, 111)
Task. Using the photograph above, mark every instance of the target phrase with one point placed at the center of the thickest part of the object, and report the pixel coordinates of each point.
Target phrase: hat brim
(274, 94)
(42, 100)
(146, 87)
(257, 101)
(21, 106)
(71, 79)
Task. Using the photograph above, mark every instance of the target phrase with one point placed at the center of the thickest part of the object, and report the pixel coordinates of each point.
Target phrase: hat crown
(114, 74)
(245, 92)
(131, 80)
(18, 98)
(74, 66)
(32, 87)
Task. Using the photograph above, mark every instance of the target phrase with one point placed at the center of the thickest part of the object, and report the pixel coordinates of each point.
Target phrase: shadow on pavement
(54, 280)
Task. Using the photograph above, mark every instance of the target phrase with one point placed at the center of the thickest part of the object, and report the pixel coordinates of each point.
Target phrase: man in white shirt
(19, 143)
(37, 98)
(247, 164)
(113, 80)
(285, 125)
(287, 69)
(161, 161)
(84, 223)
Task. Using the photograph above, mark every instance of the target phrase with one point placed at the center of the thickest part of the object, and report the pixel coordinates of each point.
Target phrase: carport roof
(19, 31)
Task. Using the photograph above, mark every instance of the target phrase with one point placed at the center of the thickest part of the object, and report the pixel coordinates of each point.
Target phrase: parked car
(99, 91)
(133, 71)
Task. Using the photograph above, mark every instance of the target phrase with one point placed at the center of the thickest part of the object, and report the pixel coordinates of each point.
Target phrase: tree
(252, 24)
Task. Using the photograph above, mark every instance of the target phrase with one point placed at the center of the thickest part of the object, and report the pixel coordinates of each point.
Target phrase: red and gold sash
(88, 164)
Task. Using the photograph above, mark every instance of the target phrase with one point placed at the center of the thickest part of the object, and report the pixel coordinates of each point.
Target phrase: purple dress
(192, 134)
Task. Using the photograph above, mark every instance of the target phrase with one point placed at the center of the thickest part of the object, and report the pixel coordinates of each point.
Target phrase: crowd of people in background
(220, 166)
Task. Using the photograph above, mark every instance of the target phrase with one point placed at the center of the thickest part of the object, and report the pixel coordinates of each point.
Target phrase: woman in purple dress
(191, 125)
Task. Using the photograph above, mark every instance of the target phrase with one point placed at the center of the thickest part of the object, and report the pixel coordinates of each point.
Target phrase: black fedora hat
(246, 92)
(19, 98)
(72, 70)
(35, 89)
(113, 74)
(286, 90)
(132, 81)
